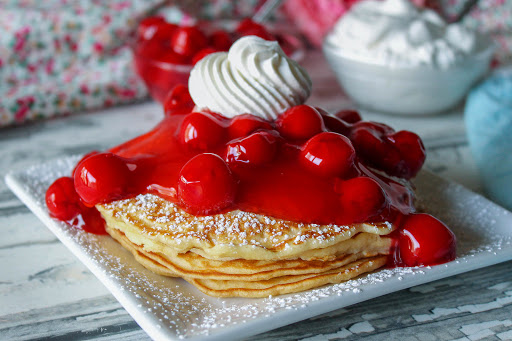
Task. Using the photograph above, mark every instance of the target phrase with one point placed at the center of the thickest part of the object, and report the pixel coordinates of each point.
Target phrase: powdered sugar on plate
(169, 308)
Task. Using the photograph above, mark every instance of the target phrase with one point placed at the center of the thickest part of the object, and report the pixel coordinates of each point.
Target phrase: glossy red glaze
(256, 149)
(264, 172)
(425, 240)
(361, 198)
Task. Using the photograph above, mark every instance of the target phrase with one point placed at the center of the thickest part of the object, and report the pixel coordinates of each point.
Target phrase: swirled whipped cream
(254, 77)
(397, 33)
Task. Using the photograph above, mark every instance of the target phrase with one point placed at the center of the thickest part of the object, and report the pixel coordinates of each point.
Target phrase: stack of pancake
(240, 254)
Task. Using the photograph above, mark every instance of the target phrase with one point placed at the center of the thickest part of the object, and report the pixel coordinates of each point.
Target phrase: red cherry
(188, 40)
(247, 24)
(255, 149)
(372, 147)
(164, 33)
(221, 40)
(243, 125)
(148, 27)
(399, 154)
(248, 27)
(206, 185)
(102, 178)
(349, 116)
(328, 154)
(300, 122)
(203, 53)
(201, 131)
(425, 240)
(336, 125)
(361, 198)
(371, 144)
(412, 152)
(91, 153)
(62, 200)
(178, 101)
(376, 128)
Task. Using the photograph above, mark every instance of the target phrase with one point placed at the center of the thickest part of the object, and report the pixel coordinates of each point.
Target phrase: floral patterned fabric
(490, 16)
(59, 56)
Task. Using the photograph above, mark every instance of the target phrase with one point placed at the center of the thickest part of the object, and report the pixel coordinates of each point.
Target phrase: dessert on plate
(245, 191)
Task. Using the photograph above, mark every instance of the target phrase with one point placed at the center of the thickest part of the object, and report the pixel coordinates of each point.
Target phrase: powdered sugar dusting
(171, 308)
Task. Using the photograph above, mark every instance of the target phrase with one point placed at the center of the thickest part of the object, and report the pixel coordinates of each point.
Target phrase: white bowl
(407, 90)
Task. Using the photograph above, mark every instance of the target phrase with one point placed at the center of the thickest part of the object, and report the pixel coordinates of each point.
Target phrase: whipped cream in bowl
(254, 77)
(394, 57)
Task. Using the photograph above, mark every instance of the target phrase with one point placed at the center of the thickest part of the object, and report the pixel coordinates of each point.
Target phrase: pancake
(240, 254)
(163, 227)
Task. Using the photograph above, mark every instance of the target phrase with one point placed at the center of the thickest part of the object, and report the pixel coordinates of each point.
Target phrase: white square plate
(170, 309)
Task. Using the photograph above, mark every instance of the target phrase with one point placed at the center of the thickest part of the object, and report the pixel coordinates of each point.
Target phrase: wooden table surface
(46, 293)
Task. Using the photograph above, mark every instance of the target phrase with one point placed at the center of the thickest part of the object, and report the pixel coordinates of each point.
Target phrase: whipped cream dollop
(397, 33)
(254, 77)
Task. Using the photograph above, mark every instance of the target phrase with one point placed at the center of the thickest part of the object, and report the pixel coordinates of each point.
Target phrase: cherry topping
(206, 184)
(221, 40)
(91, 153)
(328, 154)
(400, 154)
(412, 153)
(201, 131)
(102, 178)
(361, 198)
(62, 200)
(376, 128)
(336, 125)
(169, 57)
(203, 53)
(188, 40)
(246, 25)
(255, 149)
(243, 125)
(148, 27)
(300, 122)
(424, 240)
(349, 116)
(178, 101)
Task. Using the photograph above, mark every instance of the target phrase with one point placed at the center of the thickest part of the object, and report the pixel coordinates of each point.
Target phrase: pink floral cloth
(62, 56)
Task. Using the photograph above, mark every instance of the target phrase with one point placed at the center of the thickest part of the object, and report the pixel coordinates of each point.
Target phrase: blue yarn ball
(488, 117)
